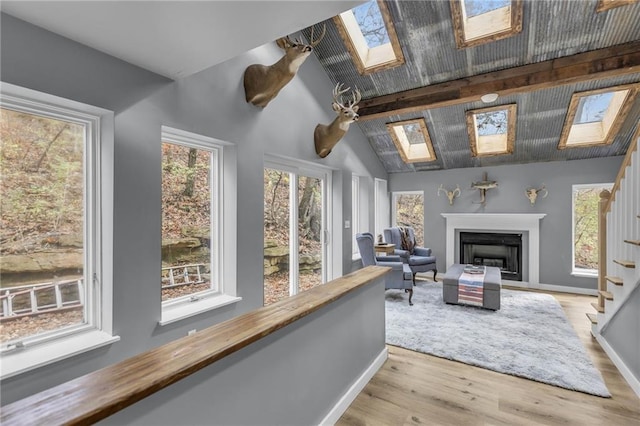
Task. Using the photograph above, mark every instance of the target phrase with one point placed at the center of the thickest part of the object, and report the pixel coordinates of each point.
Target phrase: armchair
(419, 259)
(400, 276)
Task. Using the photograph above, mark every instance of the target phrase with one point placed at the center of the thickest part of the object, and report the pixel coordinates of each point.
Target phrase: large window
(408, 210)
(295, 229)
(55, 244)
(193, 224)
(585, 227)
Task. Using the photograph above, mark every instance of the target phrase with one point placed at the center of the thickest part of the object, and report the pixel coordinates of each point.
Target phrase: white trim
(98, 179)
(633, 382)
(223, 176)
(528, 222)
(350, 395)
(50, 352)
(552, 287)
(171, 314)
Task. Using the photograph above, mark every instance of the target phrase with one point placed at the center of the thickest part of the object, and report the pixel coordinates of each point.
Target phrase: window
(295, 230)
(585, 227)
(193, 225)
(412, 140)
(492, 131)
(482, 21)
(594, 117)
(56, 248)
(370, 37)
(408, 210)
(355, 215)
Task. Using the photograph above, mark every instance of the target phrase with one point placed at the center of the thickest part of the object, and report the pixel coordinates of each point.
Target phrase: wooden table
(385, 248)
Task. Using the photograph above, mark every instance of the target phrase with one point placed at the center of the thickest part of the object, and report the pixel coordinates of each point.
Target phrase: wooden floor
(417, 389)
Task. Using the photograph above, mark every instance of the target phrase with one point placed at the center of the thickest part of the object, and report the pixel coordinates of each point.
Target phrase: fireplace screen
(503, 251)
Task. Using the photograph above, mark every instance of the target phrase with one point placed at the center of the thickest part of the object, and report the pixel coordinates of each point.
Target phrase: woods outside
(42, 213)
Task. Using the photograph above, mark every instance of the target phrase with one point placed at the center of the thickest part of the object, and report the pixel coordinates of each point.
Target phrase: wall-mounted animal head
(326, 137)
(532, 193)
(450, 194)
(262, 83)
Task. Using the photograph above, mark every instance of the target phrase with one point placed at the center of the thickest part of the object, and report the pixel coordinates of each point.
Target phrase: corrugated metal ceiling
(551, 29)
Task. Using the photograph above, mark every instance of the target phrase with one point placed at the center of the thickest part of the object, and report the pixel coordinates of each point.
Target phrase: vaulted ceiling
(564, 47)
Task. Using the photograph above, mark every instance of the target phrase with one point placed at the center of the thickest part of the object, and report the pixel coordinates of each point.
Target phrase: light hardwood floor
(417, 389)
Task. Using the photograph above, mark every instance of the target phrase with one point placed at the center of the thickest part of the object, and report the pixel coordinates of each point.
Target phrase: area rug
(528, 337)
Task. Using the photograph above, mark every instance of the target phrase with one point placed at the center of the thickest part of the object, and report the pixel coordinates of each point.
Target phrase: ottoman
(491, 292)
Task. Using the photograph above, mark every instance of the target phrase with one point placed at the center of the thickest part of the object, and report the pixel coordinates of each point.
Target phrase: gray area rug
(528, 337)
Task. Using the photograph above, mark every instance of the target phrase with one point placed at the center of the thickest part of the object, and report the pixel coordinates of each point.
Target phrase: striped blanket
(471, 287)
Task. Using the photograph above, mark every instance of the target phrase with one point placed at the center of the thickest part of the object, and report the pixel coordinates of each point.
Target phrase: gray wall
(288, 378)
(623, 333)
(509, 197)
(210, 103)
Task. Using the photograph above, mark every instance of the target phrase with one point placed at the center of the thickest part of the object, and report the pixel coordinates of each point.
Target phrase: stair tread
(614, 280)
(593, 318)
(626, 263)
(607, 295)
(597, 308)
(634, 242)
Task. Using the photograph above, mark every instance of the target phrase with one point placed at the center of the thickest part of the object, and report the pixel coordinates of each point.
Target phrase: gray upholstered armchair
(419, 259)
(400, 276)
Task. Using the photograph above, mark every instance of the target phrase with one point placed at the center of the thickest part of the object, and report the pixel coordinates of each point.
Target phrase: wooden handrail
(104, 392)
(625, 163)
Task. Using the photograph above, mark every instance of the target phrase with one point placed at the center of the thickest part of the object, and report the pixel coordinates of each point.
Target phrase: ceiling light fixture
(489, 97)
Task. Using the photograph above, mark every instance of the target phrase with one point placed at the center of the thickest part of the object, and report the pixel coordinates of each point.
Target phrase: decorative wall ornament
(326, 137)
(262, 83)
(450, 194)
(483, 186)
(532, 193)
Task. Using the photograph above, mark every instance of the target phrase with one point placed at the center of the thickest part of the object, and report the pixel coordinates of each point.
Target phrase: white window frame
(394, 203)
(593, 273)
(223, 227)
(37, 351)
(355, 215)
(301, 168)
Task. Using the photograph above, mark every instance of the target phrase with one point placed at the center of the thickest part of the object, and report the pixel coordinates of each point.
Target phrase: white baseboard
(622, 367)
(338, 410)
(552, 287)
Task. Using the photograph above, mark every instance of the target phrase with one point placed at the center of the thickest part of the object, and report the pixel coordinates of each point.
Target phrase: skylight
(482, 21)
(492, 131)
(370, 37)
(594, 117)
(412, 140)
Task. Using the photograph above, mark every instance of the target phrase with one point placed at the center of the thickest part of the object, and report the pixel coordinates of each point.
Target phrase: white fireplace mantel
(501, 222)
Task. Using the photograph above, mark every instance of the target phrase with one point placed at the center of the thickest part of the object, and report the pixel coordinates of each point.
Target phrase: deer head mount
(262, 83)
(450, 194)
(326, 137)
(532, 193)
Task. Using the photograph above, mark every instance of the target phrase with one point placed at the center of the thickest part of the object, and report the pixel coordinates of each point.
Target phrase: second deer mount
(262, 83)
(325, 137)
(455, 193)
(532, 193)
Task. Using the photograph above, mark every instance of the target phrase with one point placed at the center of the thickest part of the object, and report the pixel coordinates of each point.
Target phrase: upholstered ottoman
(490, 292)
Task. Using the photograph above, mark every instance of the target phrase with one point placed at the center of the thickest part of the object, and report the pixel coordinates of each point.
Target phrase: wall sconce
(532, 193)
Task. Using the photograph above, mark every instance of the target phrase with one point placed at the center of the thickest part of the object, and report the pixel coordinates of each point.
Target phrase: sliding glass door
(295, 248)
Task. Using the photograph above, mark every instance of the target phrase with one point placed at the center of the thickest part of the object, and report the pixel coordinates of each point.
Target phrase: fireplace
(527, 224)
(501, 250)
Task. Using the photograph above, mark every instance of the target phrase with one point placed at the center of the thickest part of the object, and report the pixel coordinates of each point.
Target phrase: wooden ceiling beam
(602, 63)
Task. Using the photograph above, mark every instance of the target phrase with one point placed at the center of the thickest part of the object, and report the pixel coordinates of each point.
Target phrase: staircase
(619, 250)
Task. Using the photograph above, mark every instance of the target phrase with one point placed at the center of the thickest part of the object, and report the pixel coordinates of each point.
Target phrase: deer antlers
(327, 136)
(312, 43)
(338, 91)
(532, 193)
(450, 194)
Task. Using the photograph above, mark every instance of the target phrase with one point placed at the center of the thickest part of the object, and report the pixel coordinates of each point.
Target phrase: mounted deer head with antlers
(327, 136)
(263, 83)
(450, 194)
(532, 193)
